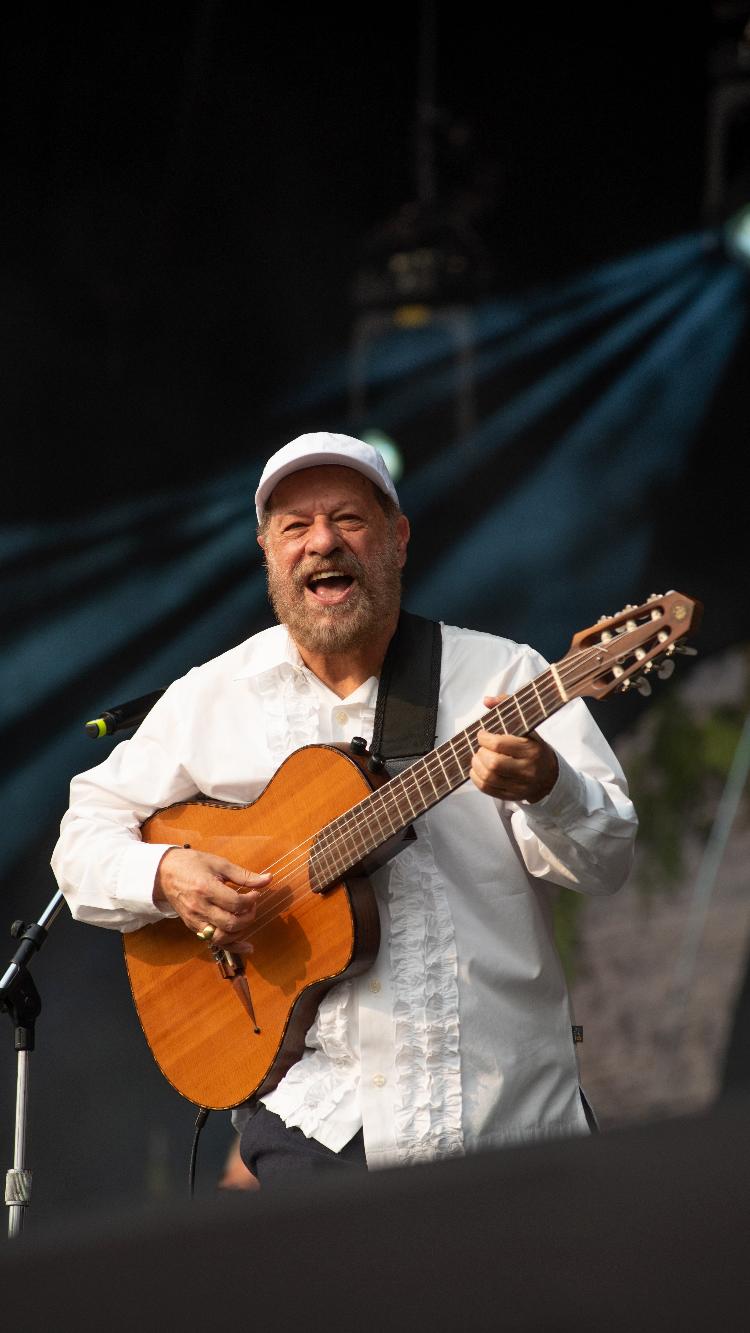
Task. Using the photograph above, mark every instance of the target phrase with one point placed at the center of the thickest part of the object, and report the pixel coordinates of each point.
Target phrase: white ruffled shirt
(459, 1037)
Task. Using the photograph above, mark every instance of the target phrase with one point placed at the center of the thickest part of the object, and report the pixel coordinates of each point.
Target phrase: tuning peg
(666, 669)
(686, 649)
(643, 686)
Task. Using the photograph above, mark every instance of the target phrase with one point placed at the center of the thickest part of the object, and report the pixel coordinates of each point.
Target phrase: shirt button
(374, 985)
(378, 1081)
(341, 716)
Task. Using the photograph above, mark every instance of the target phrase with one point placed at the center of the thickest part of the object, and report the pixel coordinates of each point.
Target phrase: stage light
(737, 235)
(633, 438)
(425, 255)
(387, 448)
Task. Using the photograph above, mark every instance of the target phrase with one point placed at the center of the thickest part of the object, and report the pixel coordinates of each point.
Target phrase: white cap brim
(317, 449)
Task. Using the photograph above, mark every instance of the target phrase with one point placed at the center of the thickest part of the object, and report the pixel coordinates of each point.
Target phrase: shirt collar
(275, 648)
(269, 650)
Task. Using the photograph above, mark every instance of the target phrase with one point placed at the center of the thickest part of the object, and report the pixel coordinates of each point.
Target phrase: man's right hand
(207, 890)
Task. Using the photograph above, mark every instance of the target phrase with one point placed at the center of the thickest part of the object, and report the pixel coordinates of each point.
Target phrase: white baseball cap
(316, 449)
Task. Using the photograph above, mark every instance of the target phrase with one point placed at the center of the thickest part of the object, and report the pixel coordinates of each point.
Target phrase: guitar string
(563, 669)
(278, 904)
(351, 811)
(297, 867)
(298, 877)
(353, 815)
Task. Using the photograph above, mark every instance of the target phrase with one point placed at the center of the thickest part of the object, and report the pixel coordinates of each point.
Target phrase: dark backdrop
(189, 193)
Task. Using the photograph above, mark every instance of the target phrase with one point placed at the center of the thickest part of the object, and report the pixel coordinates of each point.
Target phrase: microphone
(123, 715)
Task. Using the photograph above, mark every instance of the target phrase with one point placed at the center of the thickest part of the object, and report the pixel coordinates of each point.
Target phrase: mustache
(343, 564)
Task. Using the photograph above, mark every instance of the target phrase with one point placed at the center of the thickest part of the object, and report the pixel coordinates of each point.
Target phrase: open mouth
(330, 588)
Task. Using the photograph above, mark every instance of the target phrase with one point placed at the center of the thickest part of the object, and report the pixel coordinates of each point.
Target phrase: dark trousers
(279, 1156)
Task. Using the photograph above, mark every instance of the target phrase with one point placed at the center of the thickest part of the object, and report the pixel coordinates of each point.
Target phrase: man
(459, 1037)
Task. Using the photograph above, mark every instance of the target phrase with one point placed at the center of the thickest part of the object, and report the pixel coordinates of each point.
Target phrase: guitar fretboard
(383, 814)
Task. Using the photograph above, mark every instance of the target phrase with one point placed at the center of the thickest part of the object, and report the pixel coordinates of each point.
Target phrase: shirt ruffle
(328, 1070)
(315, 1086)
(290, 708)
(424, 968)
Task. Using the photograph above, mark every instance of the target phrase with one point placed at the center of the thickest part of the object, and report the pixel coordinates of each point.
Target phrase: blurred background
(515, 253)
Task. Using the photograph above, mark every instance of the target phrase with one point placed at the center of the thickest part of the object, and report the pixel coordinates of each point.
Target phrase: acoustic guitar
(223, 1026)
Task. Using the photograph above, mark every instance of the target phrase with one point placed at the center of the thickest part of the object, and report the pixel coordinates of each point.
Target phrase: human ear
(403, 532)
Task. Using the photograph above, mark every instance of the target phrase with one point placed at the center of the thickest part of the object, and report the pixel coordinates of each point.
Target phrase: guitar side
(200, 1032)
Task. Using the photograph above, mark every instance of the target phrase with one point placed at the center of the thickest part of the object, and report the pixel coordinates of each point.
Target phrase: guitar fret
(449, 764)
(427, 770)
(385, 812)
(549, 694)
(377, 813)
(518, 706)
(322, 861)
(329, 861)
(413, 794)
(401, 791)
(556, 677)
(444, 785)
(355, 846)
(388, 802)
(539, 698)
(464, 750)
(445, 771)
(323, 864)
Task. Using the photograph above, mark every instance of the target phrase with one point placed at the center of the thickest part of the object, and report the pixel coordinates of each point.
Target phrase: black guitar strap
(406, 716)
(407, 703)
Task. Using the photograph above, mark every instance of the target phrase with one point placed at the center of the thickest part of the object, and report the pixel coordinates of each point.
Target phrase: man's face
(333, 559)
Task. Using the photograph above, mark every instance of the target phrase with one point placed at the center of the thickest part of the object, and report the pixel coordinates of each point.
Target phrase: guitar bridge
(232, 969)
(228, 964)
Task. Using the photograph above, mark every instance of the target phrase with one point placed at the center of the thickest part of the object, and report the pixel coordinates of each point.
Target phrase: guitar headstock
(620, 651)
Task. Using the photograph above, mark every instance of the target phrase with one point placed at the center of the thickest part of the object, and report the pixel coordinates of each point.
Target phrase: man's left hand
(513, 768)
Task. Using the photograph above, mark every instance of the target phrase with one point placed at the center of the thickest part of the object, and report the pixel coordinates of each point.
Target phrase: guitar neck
(385, 813)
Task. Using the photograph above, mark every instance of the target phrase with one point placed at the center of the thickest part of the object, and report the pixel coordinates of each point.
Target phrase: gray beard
(342, 628)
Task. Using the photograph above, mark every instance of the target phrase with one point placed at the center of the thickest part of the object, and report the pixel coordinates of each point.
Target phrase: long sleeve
(221, 731)
(582, 834)
(103, 868)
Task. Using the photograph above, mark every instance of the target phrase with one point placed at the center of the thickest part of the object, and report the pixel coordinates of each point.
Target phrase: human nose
(322, 537)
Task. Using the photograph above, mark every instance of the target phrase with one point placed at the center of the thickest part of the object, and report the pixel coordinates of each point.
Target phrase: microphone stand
(19, 998)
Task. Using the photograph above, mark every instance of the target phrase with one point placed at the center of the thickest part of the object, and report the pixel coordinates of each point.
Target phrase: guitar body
(213, 1048)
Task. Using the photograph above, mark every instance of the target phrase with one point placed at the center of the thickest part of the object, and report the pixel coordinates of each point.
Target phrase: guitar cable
(200, 1121)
